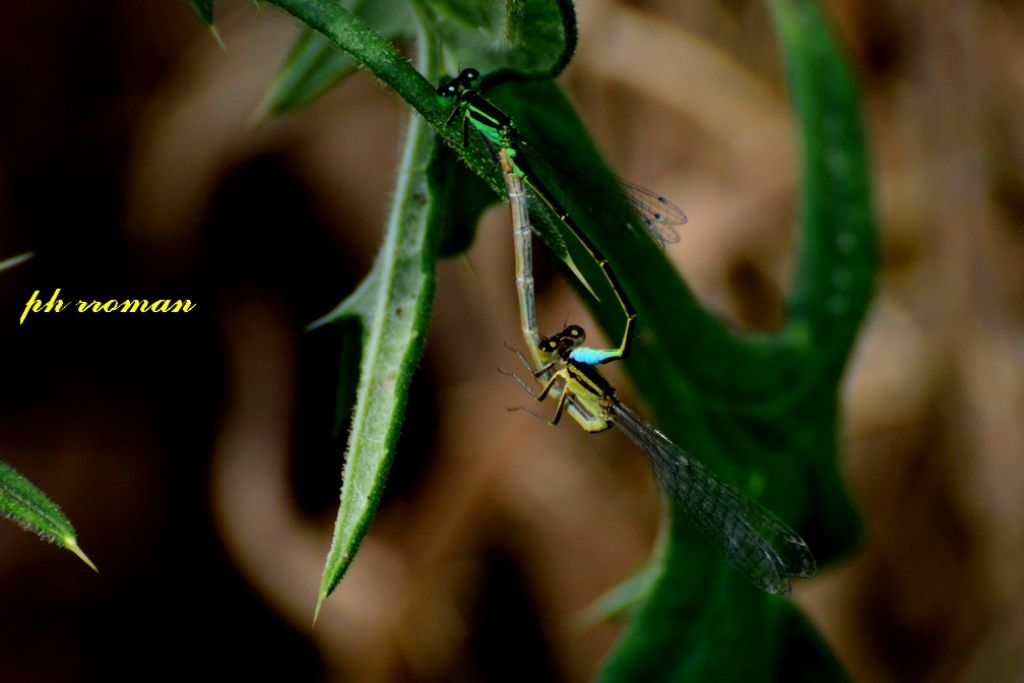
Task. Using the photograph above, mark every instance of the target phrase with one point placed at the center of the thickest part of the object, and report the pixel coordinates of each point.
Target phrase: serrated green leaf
(23, 503)
(393, 305)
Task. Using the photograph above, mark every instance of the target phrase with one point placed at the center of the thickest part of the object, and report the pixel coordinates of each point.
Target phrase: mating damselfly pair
(752, 539)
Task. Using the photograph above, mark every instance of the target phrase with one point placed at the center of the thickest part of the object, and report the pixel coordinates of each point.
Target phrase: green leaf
(23, 503)
(378, 55)
(381, 58)
(775, 418)
(528, 38)
(462, 197)
(393, 307)
(312, 67)
(357, 38)
(315, 64)
(624, 598)
(393, 302)
(838, 253)
(27, 506)
(203, 10)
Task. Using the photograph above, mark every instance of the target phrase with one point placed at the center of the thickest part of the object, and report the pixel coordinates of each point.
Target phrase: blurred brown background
(195, 454)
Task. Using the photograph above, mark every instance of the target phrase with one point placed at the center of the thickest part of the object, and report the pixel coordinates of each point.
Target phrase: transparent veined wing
(659, 214)
(752, 540)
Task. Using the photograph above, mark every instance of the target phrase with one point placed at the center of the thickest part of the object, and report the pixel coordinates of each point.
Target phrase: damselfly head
(448, 91)
(562, 343)
(468, 80)
(548, 345)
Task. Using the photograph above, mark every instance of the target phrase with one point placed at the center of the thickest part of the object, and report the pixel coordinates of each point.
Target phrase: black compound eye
(446, 91)
(470, 78)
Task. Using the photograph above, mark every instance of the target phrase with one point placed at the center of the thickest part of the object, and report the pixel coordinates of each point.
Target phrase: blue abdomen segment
(588, 356)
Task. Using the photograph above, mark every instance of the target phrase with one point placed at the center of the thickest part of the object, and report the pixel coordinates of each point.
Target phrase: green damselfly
(656, 213)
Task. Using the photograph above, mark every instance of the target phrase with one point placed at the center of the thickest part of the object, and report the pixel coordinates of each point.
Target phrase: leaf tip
(319, 603)
(216, 36)
(341, 311)
(261, 112)
(318, 323)
(71, 544)
(16, 260)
